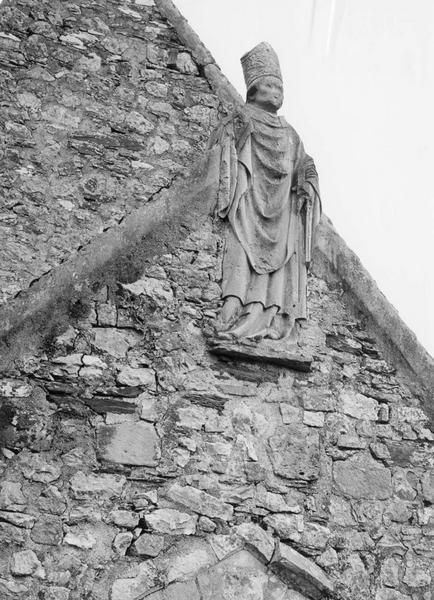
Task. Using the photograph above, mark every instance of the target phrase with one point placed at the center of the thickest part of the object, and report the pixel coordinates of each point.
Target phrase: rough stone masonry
(135, 462)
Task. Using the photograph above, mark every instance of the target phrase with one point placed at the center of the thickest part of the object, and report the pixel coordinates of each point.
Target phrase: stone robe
(268, 239)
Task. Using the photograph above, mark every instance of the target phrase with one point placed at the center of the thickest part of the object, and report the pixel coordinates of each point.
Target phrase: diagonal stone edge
(116, 255)
(303, 574)
(337, 263)
(218, 81)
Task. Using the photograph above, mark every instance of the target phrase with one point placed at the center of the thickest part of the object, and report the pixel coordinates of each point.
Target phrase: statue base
(290, 357)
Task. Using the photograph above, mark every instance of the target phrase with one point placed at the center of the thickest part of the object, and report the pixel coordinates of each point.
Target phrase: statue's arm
(226, 136)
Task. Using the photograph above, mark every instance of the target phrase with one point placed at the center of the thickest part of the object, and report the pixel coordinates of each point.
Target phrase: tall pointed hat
(260, 61)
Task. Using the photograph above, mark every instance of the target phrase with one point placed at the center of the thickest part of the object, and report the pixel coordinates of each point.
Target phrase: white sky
(361, 95)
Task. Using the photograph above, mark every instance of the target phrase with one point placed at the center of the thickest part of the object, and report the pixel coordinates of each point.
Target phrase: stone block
(295, 453)
(56, 593)
(287, 526)
(148, 545)
(358, 406)
(79, 538)
(144, 580)
(25, 563)
(200, 502)
(129, 444)
(140, 377)
(11, 496)
(187, 559)
(428, 486)
(361, 477)
(18, 519)
(239, 576)
(170, 521)
(124, 518)
(115, 342)
(257, 540)
(93, 484)
(156, 289)
(261, 353)
(300, 573)
(47, 530)
(313, 418)
(122, 542)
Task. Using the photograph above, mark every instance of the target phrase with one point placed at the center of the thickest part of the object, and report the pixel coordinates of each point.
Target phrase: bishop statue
(269, 200)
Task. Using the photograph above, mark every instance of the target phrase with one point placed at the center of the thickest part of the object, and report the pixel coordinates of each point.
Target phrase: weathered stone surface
(156, 289)
(12, 589)
(148, 545)
(417, 574)
(25, 563)
(428, 486)
(362, 477)
(105, 485)
(11, 496)
(295, 452)
(313, 419)
(144, 580)
(47, 530)
(137, 377)
(287, 527)
(358, 406)
(114, 341)
(18, 519)
(175, 591)
(262, 353)
(34, 467)
(122, 542)
(174, 522)
(389, 594)
(190, 558)
(301, 573)
(79, 539)
(124, 518)
(200, 502)
(56, 592)
(129, 444)
(257, 540)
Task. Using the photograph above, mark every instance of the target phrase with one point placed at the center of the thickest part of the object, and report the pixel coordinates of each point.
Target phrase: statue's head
(263, 77)
(267, 93)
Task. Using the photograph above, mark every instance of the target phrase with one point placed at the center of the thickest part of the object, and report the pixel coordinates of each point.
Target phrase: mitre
(260, 61)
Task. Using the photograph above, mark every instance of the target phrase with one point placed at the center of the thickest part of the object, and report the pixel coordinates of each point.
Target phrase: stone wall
(102, 107)
(136, 463)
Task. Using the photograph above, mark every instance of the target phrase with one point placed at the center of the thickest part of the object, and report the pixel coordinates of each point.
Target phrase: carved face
(268, 93)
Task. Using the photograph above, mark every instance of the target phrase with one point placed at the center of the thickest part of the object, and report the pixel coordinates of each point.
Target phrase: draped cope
(269, 237)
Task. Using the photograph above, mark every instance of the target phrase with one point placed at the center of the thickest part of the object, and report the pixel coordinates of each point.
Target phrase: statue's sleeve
(306, 173)
(224, 137)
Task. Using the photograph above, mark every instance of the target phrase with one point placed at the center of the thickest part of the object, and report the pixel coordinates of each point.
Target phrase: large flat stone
(173, 522)
(129, 444)
(115, 342)
(263, 353)
(362, 477)
(295, 452)
(93, 484)
(300, 573)
(200, 502)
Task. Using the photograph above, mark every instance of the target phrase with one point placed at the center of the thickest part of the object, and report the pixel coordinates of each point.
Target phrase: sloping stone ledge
(292, 358)
(336, 263)
(219, 83)
(115, 256)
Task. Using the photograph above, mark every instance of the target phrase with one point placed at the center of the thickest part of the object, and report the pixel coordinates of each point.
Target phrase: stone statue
(269, 199)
